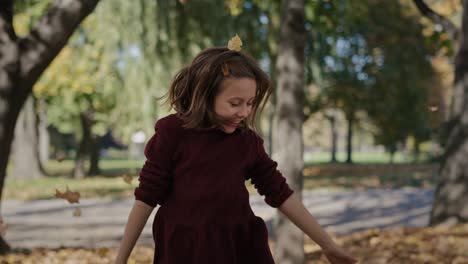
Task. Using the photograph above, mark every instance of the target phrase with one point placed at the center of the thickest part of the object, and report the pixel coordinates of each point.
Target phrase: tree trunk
(10, 99)
(392, 157)
(334, 134)
(23, 60)
(451, 196)
(44, 138)
(272, 30)
(26, 163)
(416, 151)
(86, 120)
(349, 139)
(94, 156)
(289, 151)
(271, 123)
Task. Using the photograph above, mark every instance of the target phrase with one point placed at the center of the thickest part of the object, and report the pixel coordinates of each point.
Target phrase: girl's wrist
(329, 245)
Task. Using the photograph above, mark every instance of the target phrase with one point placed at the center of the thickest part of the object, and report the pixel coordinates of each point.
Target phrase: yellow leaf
(102, 252)
(234, 6)
(235, 43)
(127, 179)
(71, 197)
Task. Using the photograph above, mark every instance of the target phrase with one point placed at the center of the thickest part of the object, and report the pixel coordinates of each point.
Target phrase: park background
(369, 94)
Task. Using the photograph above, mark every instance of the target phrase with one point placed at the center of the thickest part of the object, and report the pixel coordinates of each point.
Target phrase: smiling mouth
(234, 124)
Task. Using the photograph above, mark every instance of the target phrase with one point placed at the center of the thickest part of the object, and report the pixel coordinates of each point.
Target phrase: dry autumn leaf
(102, 252)
(71, 197)
(77, 212)
(235, 43)
(60, 157)
(127, 179)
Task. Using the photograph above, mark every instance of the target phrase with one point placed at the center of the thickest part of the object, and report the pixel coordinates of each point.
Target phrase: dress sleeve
(156, 174)
(265, 176)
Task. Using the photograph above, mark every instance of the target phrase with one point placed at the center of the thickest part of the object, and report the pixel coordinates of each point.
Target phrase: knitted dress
(198, 179)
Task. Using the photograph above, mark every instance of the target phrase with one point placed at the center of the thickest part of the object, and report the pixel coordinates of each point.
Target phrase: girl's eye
(234, 104)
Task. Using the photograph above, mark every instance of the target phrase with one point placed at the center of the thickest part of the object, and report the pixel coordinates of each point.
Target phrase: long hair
(194, 88)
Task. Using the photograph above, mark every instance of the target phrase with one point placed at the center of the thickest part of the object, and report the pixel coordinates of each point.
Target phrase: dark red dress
(198, 178)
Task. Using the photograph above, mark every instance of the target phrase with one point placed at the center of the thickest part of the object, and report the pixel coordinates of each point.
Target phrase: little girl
(197, 163)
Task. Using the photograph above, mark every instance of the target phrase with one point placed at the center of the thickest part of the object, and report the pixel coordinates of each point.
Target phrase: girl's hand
(337, 255)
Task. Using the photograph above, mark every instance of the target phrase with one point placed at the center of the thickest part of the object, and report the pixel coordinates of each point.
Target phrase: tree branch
(6, 21)
(446, 24)
(49, 35)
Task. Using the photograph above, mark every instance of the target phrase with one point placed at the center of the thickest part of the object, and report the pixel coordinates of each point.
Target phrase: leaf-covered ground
(399, 246)
(404, 245)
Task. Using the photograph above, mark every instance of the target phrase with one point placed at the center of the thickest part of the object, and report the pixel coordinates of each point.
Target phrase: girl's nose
(244, 112)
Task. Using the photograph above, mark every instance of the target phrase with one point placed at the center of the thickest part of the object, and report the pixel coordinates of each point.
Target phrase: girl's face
(234, 101)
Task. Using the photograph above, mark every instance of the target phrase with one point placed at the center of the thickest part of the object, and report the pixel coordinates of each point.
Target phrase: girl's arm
(136, 221)
(300, 216)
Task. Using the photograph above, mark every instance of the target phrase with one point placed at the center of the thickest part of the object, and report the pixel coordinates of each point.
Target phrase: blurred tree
(358, 61)
(450, 206)
(402, 78)
(80, 89)
(27, 149)
(155, 38)
(289, 247)
(25, 58)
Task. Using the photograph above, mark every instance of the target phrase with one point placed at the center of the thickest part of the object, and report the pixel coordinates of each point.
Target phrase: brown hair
(194, 88)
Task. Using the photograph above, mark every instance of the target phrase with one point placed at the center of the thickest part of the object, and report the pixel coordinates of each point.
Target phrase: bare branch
(49, 36)
(446, 24)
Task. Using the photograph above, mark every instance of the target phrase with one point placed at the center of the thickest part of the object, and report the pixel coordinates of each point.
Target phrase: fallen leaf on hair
(71, 197)
(77, 212)
(235, 43)
(127, 179)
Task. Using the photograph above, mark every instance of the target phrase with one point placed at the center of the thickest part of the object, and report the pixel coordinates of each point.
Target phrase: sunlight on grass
(360, 157)
(44, 188)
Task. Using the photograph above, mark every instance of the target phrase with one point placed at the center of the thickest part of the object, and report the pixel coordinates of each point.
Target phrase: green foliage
(364, 56)
(82, 78)
(373, 57)
(155, 38)
(26, 14)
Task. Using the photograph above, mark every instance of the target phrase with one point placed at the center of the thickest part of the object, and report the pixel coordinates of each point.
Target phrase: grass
(108, 185)
(44, 188)
(112, 185)
(361, 157)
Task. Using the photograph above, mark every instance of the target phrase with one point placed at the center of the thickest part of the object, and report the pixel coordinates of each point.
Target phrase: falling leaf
(60, 157)
(71, 197)
(235, 43)
(77, 212)
(127, 179)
